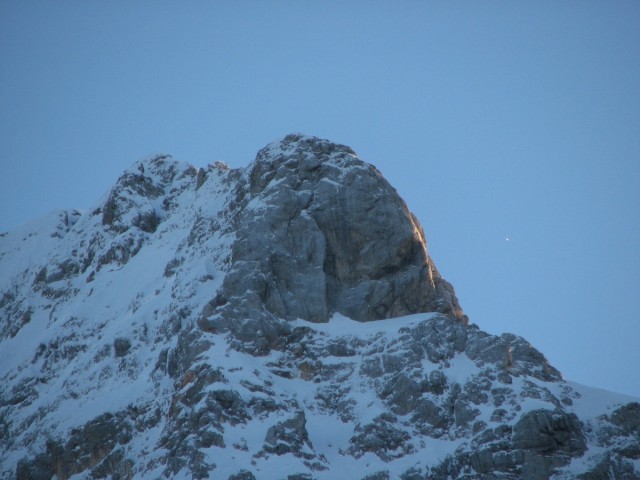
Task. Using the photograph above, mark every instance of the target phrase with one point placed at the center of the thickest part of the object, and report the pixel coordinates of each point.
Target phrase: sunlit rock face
(319, 231)
(278, 321)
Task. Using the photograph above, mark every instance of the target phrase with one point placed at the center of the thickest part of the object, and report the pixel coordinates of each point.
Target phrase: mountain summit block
(320, 232)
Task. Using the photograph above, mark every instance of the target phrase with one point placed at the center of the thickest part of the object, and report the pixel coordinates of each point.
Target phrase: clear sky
(511, 128)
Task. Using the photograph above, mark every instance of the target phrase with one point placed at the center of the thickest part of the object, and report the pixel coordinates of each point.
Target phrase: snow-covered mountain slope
(278, 321)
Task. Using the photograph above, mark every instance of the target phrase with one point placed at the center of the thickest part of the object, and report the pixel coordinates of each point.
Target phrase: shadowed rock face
(320, 231)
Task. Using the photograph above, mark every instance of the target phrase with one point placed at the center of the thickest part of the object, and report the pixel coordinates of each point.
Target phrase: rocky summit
(281, 321)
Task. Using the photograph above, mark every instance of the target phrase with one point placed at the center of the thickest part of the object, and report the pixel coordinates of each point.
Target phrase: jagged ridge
(194, 324)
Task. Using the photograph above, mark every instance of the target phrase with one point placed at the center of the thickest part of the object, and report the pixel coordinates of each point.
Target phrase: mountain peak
(279, 321)
(298, 143)
(320, 231)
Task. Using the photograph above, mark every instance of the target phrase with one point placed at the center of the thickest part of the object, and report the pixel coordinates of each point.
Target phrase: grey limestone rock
(623, 430)
(289, 436)
(320, 231)
(38, 468)
(381, 437)
(225, 279)
(627, 417)
(121, 346)
(129, 200)
(544, 431)
(92, 446)
(610, 466)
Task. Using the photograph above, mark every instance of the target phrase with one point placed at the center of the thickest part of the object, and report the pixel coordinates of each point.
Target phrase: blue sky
(494, 120)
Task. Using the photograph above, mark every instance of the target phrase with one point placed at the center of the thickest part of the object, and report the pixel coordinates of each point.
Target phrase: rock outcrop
(278, 321)
(318, 232)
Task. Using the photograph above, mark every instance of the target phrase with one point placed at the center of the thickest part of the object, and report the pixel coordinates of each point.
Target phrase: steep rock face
(319, 231)
(200, 324)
